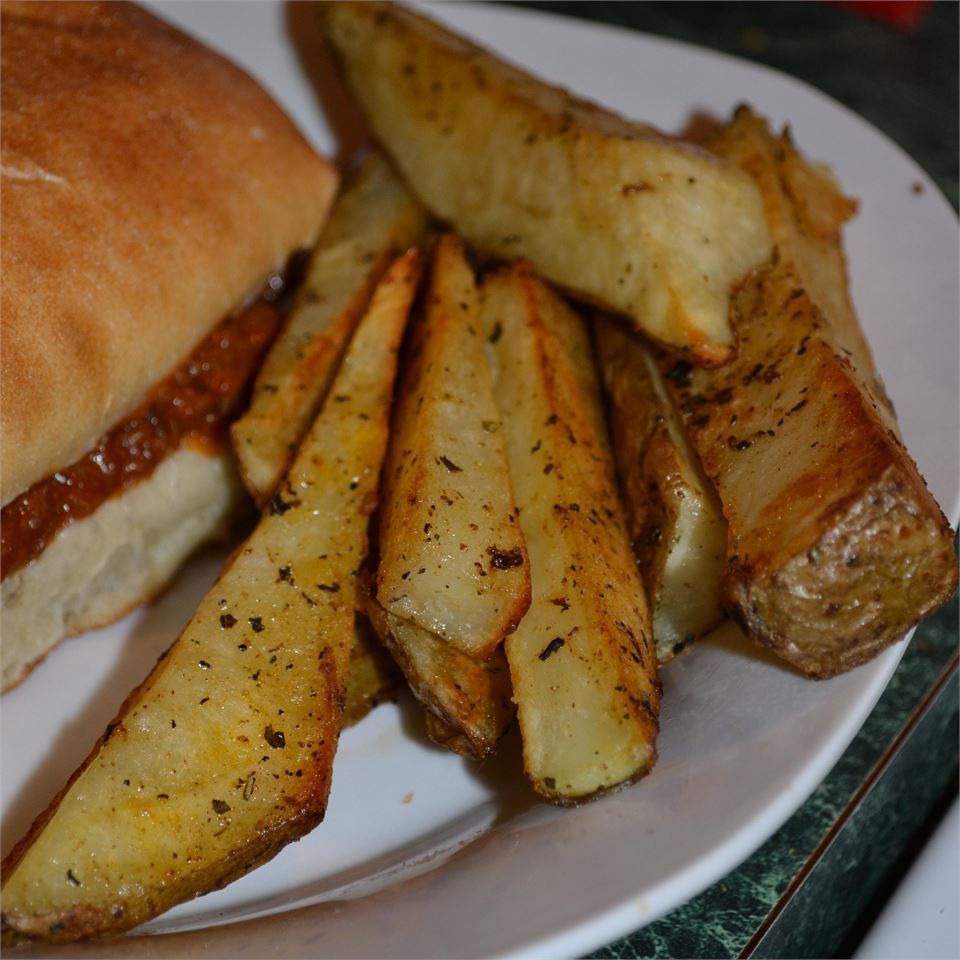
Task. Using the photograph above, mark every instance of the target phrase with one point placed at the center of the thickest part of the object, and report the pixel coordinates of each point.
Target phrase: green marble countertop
(856, 834)
(861, 827)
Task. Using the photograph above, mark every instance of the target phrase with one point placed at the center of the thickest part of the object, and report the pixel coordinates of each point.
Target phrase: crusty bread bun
(149, 189)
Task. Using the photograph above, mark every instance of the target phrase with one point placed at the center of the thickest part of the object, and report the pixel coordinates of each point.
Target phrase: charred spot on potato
(279, 506)
(680, 374)
(505, 559)
(450, 465)
(275, 738)
(551, 648)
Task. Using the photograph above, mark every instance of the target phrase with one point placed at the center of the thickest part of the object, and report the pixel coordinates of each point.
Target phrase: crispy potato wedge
(637, 222)
(373, 219)
(673, 513)
(835, 545)
(582, 661)
(373, 676)
(805, 210)
(471, 698)
(452, 556)
(224, 754)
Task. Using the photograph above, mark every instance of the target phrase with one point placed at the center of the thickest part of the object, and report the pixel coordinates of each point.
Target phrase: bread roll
(149, 189)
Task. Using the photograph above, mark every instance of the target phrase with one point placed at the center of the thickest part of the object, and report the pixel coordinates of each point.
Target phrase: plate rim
(621, 918)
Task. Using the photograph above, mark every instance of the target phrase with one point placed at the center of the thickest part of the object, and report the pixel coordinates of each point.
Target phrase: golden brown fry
(373, 220)
(674, 515)
(640, 223)
(452, 556)
(224, 754)
(835, 546)
(582, 661)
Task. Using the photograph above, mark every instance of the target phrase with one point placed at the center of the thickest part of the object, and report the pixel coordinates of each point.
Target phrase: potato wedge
(224, 754)
(373, 676)
(373, 219)
(805, 210)
(582, 661)
(640, 223)
(673, 513)
(835, 545)
(470, 697)
(452, 557)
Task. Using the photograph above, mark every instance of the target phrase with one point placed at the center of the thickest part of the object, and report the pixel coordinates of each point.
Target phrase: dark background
(904, 82)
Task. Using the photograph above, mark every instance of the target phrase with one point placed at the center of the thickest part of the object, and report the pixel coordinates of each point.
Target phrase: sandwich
(152, 195)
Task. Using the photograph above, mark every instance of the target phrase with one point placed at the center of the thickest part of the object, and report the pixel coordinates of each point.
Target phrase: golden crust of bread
(148, 187)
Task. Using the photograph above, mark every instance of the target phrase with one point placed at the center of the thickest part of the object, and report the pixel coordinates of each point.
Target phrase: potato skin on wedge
(616, 212)
(835, 547)
(224, 754)
(582, 661)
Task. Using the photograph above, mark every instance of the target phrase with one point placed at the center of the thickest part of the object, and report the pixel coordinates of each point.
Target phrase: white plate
(422, 854)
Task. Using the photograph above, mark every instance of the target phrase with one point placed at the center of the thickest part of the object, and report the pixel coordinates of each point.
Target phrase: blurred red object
(902, 14)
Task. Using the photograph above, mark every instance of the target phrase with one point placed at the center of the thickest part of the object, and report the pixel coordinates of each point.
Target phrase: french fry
(637, 222)
(373, 220)
(835, 545)
(224, 754)
(452, 556)
(470, 698)
(674, 515)
(582, 661)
